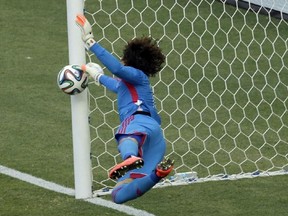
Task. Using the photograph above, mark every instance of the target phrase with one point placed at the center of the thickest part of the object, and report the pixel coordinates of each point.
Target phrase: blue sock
(128, 148)
(154, 177)
(134, 189)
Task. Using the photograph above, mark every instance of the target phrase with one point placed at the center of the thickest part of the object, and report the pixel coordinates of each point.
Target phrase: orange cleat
(129, 164)
(164, 168)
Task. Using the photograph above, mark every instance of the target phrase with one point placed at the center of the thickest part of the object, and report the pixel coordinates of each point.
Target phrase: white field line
(68, 191)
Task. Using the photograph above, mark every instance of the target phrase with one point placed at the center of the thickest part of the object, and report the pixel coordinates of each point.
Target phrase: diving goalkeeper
(139, 137)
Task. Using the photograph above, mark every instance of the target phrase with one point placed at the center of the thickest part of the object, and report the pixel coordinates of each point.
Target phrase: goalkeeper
(139, 136)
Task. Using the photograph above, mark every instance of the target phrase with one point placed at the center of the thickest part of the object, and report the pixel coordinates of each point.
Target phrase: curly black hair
(144, 54)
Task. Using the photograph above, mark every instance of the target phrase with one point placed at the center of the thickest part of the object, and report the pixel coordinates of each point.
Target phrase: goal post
(222, 94)
(79, 108)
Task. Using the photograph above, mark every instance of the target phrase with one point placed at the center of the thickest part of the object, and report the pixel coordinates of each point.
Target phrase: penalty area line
(69, 191)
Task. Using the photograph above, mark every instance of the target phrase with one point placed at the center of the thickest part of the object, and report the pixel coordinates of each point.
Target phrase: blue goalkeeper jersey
(132, 86)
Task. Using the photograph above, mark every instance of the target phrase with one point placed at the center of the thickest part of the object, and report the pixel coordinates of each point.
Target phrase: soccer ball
(72, 80)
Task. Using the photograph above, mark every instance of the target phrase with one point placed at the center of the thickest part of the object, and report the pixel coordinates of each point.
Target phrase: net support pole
(79, 108)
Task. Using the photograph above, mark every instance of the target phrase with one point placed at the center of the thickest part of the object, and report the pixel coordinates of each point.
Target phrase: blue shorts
(152, 146)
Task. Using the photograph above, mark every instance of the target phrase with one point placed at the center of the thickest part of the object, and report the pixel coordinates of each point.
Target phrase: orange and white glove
(94, 70)
(86, 30)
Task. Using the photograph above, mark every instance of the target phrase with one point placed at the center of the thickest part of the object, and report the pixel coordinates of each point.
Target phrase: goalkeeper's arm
(93, 69)
(106, 58)
(113, 64)
(96, 72)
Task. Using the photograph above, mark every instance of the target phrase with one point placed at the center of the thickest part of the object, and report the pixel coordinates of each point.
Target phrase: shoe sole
(121, 169)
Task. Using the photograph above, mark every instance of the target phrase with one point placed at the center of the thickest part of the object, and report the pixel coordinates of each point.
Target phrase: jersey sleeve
(109, 82)
(126, 73)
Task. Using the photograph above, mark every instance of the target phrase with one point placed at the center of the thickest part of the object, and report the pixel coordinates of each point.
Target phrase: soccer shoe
(164, 168)
(129, 164)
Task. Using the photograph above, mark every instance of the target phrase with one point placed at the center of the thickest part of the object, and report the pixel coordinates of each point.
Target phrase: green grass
(242, 197)
(19, 198)
(35, 115)
(35, 121)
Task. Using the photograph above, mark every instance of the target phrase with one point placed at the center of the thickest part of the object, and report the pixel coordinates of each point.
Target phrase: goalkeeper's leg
(131, 188)
(129, 149)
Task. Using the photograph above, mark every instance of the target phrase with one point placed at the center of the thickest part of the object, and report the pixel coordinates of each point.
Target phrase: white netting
(222, 94)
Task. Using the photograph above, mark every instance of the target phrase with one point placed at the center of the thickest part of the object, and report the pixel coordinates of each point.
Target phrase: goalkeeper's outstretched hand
(94, 70)
(86, 30)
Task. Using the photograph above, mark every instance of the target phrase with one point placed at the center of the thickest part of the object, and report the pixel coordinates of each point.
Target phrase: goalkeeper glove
(86, 30)
(94, 70)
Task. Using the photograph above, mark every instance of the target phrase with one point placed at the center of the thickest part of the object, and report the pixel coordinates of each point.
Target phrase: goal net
(222, 94)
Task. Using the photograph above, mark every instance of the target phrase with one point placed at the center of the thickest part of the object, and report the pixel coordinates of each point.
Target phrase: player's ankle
(155, 178)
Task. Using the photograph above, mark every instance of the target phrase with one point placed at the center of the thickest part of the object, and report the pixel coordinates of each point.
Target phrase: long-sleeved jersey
(132, 86)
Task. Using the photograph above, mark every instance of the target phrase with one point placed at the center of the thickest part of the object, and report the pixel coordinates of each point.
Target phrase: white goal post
(222, 94)
(79, 108)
